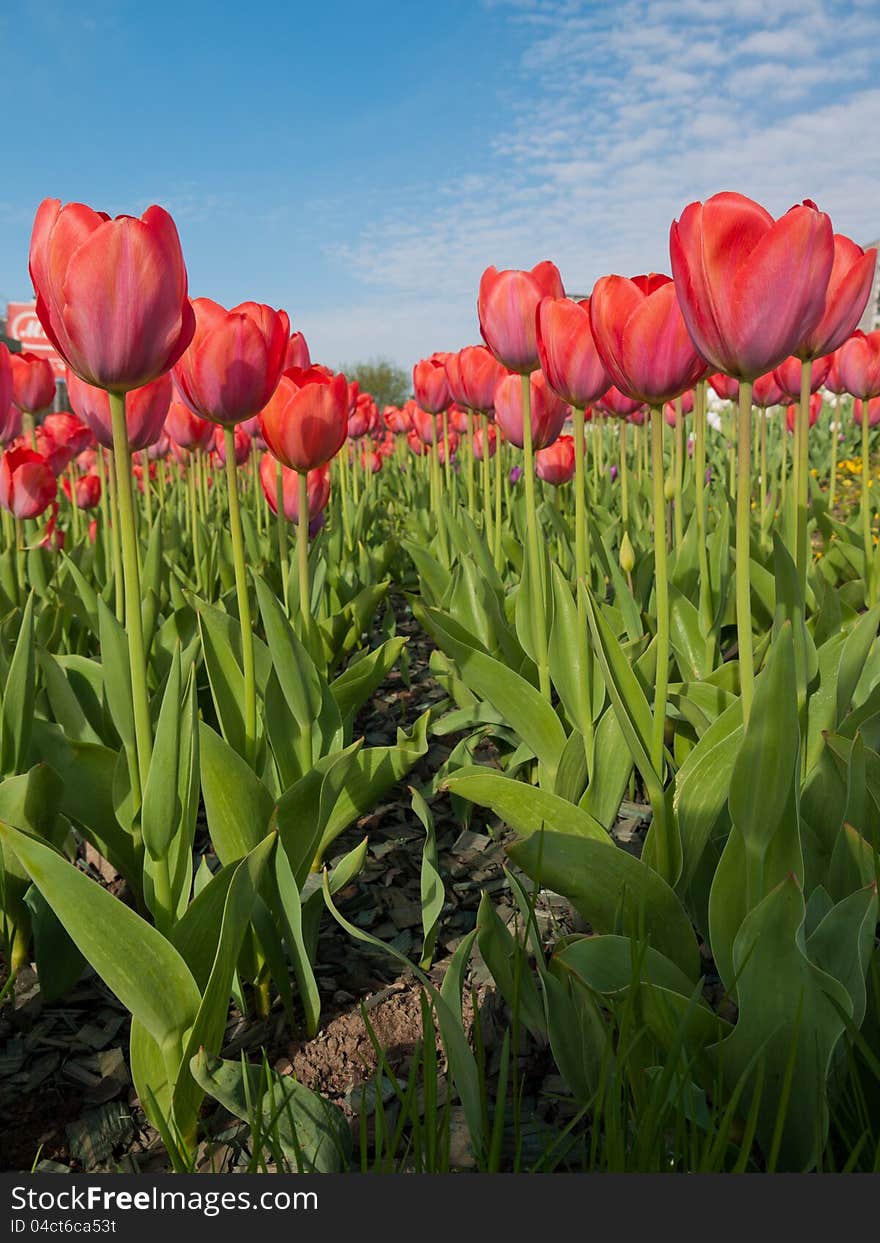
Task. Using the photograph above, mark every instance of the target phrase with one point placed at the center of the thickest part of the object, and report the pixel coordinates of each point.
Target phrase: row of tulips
(612, 605)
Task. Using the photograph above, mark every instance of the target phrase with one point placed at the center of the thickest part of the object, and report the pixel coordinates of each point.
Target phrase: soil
(66, 1099)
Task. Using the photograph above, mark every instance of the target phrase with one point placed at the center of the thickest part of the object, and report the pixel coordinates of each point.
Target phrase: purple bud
(516, 474)
(316, 524)
(708, 474)
(613, 473)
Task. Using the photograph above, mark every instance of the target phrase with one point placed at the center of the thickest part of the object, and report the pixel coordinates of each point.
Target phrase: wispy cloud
(622, 115)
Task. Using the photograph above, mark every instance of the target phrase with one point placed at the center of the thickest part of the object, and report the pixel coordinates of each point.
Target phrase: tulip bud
(627, 558)
(669, 489)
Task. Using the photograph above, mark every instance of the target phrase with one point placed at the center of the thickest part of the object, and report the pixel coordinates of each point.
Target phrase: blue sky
(361, 164)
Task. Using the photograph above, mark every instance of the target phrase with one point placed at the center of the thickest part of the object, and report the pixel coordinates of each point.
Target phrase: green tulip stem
(802, 452)
(471, 487)
(624, 476)
(870, 587)
(661, 587)
(244, 605)
(281, 528)
(743, 524)
(111, 531)
(678, 502)
(835, 432)
(302, 549)
(700, 490)
(581, 533)
(486, 466)
(499, 496)
(537, 585)
(137, 657)
(191, 468)
(763, 471)
(74, 508)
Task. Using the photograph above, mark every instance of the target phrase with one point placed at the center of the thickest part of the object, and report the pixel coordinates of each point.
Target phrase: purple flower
(316, 524)
(708, 474)
(516, 474)
(613, 473)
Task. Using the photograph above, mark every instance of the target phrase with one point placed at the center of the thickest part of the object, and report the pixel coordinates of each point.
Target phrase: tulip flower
(480, 374)
(111, 294)
(187, 430)
(242, 444)
(145, 410)
(304, 426)
(234, 361)
(33, 382)
(297, 353)
(416, 444)
(752, 289)
(846, 297)
(858, 364)
(430, 385)
(27, 484)
(424, 424)
(396, 420)
(6, 383)
(724, 386)
(60, 438)
(507, 306)
(10, 424)
(642, 339)
(53, 537)
(833, 381)
(86, 492)
(788, 375)
(815, 411)
(556, 464)
(305, 422)
(480, 440)
(618, 404)
(547, 410)
(873, 411)
(317, 488)
(568, 353)
(766, 392)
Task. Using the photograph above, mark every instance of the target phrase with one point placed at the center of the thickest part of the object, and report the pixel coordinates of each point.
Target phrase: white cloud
(626, 114)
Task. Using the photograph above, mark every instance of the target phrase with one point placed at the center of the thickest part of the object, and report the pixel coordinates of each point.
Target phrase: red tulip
(766, 392)
(454, 378)
(6, 384)
(480, 374)
(111, 294)
(185, 429)
(161, 448)
(306, 421)
(815, 411)
(10, 424)
(687, 407)
(297, 354)
(618, 404)
(547, 410)
(751, 289)
(556, 463)
(424, 424)
(858, 363)
(27, 484)
(491, 438)
(145, 410)
(371, 461)
(873, 411)
(569, 358)
(415, 442)
(430, 386)
(235, 361)
(33, 382)
(725, 386)
(60, 438)
(846, 298)
(88, 491)
(242, 445)
(317, 488)
(53, 536)
(507, 306)
(457, 420)
(641, 337)
(396, 420)
(833, 382)
(788, 375)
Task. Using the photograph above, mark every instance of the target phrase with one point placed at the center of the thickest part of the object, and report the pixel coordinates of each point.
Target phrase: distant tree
(388, 383)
